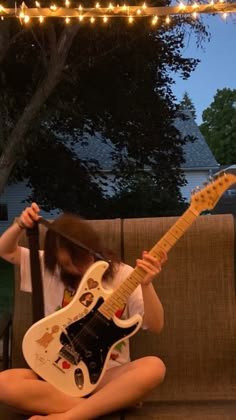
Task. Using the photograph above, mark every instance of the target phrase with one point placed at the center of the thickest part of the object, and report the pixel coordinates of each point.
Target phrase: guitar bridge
(70, 354)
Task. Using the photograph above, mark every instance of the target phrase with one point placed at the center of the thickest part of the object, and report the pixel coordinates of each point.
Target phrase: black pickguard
(90, 339)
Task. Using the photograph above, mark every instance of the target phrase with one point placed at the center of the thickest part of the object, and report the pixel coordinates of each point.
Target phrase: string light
(25, 13)
(182, 6)
(154, 20)
(26, 19)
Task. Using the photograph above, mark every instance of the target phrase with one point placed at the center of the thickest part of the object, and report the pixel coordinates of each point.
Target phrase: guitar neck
(120, 295)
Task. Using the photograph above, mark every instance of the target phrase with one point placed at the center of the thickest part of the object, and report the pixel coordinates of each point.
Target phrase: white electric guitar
(71, 348)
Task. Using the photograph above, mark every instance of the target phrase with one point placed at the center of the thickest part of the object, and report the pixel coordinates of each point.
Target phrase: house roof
(227, 168)
(197, 154)
(98, 150)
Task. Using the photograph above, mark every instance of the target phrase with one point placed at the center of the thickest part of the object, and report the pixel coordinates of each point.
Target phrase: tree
(187, 105)
(145, 198)
(219, 126)
(22, 101)
(130, 65)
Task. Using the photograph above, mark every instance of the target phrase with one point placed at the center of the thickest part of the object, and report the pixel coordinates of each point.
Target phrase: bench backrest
(197, 289)
(196, 286)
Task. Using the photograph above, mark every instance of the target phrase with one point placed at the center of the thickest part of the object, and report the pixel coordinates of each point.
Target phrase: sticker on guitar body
(47, 337)
(62, 364)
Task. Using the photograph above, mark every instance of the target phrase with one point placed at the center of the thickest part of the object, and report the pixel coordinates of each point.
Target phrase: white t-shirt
(57, 295)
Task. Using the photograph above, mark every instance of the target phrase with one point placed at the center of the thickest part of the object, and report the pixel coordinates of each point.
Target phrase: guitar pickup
(69, 354)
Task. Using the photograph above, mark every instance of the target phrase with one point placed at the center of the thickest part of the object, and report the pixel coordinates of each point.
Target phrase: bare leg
(24, 391)
(119, 388)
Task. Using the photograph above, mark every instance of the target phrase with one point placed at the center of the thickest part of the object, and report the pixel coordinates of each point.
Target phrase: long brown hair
(75, 227)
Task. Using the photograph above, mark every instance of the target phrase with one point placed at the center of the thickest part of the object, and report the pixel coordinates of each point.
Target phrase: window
(3, 211)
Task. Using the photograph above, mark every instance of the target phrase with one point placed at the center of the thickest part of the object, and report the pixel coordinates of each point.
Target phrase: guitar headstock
(206, 198)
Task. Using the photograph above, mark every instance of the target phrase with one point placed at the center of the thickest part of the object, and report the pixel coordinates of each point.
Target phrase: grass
(6, 286)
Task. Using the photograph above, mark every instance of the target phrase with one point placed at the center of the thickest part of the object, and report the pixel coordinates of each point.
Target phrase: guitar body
(71, 348)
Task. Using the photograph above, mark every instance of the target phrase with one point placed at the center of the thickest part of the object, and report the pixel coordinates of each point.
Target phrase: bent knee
(4, 383)
(156, 368)
(12, 378)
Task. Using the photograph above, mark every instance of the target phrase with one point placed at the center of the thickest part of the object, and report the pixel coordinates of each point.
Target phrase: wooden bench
(198, 343)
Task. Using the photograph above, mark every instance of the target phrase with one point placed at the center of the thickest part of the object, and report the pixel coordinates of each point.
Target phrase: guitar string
(78, 339)
(88, 327)
(69, 339)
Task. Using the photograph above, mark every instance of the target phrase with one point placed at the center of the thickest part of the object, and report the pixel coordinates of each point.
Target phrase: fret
(133, 280)
(170, 239)
(122, 300)
(190, 215)
(165, 244)
(124, 293)
(137, 273)
(106, 312)
(183, 224)
(173, 235)
(128, 289)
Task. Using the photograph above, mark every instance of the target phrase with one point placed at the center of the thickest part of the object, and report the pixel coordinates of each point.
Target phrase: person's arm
(153, 309)
(9, 249)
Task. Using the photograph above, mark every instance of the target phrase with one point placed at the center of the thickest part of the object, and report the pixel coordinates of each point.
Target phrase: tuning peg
(205, 183)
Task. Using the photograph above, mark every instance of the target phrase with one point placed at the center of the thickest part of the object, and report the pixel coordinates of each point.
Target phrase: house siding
(15, 197)
(194, 179)
(199, 163)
